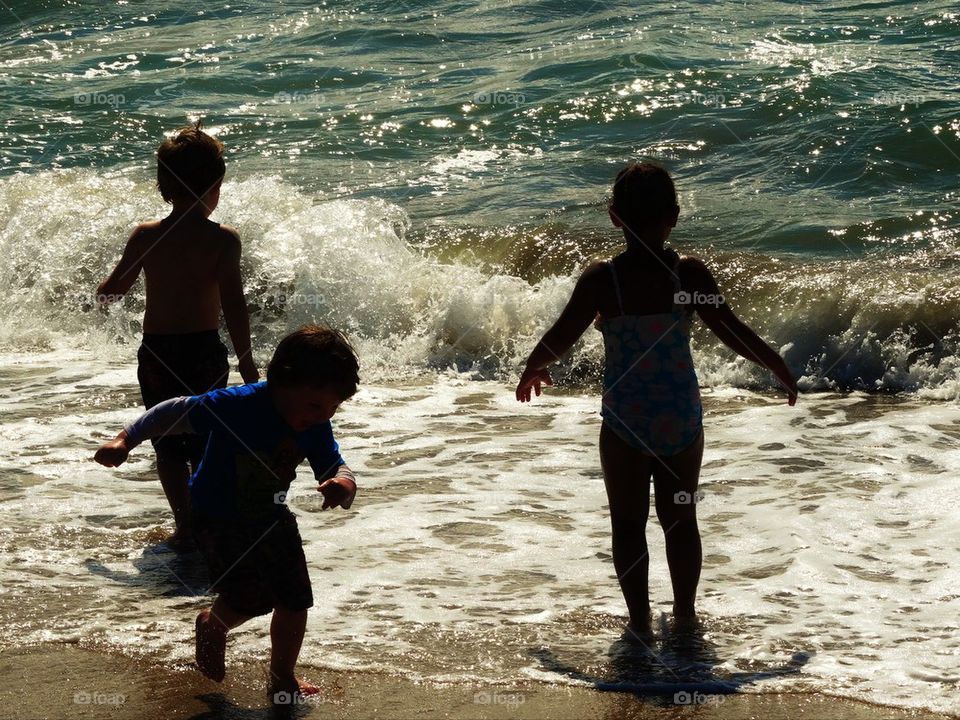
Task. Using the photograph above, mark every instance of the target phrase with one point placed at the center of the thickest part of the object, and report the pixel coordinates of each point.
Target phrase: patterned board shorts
(175, 365)
(254, 566)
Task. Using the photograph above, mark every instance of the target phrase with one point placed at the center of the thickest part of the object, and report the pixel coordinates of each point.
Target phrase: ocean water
(431, 177)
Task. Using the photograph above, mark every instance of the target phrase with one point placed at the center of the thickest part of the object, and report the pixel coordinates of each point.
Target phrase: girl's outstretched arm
(581, 310)
(719, 317)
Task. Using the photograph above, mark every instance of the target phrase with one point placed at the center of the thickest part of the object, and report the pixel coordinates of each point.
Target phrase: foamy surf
(478, 551)
(884, 322)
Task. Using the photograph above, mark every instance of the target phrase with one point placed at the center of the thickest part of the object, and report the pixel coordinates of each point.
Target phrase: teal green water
(780, 120)
(816, 147)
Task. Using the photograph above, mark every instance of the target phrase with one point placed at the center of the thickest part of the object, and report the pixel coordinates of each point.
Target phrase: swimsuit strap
(675, 272)
(616, 286)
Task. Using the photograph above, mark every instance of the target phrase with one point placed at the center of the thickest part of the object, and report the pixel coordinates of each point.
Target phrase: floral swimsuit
(651, 397)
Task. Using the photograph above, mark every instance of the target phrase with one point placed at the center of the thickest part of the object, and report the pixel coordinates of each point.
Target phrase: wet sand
(66, 681)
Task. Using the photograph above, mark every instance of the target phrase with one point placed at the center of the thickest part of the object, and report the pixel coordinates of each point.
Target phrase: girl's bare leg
(675, 482)
(626, 474)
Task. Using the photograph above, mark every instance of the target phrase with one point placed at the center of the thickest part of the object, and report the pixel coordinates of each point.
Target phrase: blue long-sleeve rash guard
(252, 453)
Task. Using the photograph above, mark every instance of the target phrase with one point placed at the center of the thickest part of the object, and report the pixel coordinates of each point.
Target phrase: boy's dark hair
(316, 355)
(189, 164)
(643, 194)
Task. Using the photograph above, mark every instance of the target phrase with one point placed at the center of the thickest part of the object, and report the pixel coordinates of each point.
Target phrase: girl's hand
(783, 374)
(532, 379)
(113, 453)
(336, 491)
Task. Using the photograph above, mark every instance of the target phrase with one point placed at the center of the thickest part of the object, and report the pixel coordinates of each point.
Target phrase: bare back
(646, 286)
(181, 261)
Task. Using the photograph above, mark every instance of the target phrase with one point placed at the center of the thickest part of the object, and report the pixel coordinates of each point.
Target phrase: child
(643, 300)
(259, 434)
(192, 269)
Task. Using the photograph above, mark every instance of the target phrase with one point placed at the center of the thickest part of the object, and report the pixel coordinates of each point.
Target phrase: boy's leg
(174, 476)
(211, 637)
(286, 638)
(678, 517)
(171, 366)
(626, 474)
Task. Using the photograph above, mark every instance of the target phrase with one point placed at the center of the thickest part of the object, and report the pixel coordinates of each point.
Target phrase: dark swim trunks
(255, 566)
(183, 364)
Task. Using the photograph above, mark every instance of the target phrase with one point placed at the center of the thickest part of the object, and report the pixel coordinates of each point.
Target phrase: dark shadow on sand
(220, 707)
(161, 571)
(680, 661)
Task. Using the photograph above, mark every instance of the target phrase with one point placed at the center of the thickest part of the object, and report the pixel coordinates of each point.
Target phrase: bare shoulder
(228, 241)
(144, 231)
(695, 275)
(228, 234)
(593, 272)
(142, 238)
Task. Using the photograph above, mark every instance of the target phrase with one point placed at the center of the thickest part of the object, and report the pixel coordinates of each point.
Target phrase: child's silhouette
(642, 302)
(192, 269)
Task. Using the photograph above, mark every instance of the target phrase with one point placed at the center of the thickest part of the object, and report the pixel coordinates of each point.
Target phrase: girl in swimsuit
(643, 301)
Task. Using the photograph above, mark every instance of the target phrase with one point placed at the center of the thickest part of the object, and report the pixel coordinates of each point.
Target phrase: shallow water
(431, 178)
(478, 550)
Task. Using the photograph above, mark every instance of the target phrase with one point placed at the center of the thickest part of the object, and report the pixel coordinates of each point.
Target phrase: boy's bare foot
(286, 692)
(211, 646)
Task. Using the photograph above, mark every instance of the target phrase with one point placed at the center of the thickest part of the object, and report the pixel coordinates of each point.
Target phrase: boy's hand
(338, 491)
(783, 374)
(532, 379)
(115, 452)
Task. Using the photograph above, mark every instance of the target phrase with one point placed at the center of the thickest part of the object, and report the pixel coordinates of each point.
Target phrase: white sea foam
(478, 550)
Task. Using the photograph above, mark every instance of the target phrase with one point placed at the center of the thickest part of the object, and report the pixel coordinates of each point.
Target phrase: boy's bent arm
(339, 490)
(337, 482)
(119, 282)
(167, 418)
(234, 306)
(732, 331)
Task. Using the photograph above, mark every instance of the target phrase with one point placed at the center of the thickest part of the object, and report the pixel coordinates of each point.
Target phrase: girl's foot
(211, 646)
(684, 622)
(181, 541)
(639, 625)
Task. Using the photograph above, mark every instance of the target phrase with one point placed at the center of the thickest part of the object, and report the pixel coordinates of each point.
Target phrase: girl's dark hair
(316, 355)
(189, 164)
(643, 195)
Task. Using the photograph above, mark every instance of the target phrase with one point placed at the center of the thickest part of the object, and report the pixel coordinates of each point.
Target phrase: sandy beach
(62, 681)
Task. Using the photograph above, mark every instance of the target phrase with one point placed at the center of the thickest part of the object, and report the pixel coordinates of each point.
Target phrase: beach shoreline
(66, 680)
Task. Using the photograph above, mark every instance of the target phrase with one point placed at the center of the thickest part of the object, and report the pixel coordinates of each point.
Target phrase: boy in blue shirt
(258, 435)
